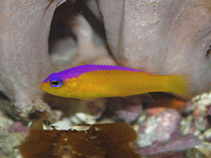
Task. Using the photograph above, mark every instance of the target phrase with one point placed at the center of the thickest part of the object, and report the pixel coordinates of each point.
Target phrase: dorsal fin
(104, 61)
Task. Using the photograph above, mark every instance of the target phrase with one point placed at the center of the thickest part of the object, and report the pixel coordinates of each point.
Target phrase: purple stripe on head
(79, 70)
(49, 77)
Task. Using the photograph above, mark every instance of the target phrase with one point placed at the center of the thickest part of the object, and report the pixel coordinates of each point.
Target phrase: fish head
(58, 85)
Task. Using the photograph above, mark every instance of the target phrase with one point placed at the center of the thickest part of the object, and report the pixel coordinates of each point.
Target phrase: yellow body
(118, 83)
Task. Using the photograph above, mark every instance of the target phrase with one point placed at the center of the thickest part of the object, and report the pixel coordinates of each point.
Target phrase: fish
(103, 81)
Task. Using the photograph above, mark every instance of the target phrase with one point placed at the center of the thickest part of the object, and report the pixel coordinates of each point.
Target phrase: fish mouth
(42, 86)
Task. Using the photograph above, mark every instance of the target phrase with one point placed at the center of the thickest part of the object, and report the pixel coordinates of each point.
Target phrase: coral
(201, 106)
(164, 37)
(157, 36)
(24, 59)
(9, 140)
(205, 149)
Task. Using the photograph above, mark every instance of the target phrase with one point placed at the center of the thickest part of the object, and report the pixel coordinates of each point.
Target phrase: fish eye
(56, 82)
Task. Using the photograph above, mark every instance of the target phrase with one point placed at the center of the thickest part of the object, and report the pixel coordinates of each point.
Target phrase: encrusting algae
(99, 141)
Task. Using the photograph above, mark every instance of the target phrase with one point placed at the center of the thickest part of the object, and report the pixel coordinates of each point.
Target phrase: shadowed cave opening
(63, 40)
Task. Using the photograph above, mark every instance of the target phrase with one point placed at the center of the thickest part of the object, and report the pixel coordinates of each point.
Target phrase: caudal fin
(179, 85)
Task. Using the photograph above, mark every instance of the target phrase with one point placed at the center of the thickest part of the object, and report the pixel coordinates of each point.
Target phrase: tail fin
(179, 85)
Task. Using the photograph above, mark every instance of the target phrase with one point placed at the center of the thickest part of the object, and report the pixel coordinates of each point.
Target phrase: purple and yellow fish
(100, 81)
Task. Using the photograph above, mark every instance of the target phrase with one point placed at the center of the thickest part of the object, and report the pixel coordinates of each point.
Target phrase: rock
(159, 128)
(201, 106)
(18, 127)
(180, 143)
(122, 109)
